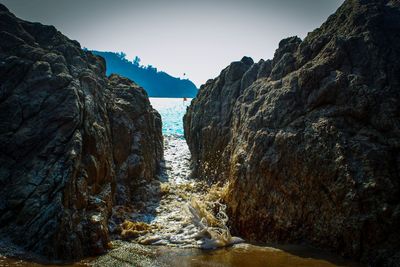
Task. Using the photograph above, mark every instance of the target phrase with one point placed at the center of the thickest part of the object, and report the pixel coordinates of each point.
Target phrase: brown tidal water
(254, 256)
(237, 256)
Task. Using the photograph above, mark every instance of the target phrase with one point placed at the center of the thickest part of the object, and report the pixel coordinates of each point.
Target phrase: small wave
(212, 228)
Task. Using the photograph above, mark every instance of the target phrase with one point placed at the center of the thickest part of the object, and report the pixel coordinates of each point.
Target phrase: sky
(195, 37)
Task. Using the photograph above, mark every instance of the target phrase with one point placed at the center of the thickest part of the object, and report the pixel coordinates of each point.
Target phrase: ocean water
(171, 111)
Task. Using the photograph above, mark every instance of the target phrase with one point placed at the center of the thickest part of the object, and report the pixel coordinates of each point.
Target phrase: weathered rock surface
(310, 141)
(73, 142)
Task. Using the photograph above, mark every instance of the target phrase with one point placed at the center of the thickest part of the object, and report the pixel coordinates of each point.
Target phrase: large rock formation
(310, 141)
(73, 142)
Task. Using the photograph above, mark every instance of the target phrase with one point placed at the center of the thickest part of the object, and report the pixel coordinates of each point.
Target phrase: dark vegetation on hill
(156, 83)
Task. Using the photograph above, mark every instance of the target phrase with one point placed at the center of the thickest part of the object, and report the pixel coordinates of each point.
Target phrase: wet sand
(236, 256)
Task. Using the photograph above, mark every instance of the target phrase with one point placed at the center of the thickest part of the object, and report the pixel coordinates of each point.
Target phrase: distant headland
(156, 83)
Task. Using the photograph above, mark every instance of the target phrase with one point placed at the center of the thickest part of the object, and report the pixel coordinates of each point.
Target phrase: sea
(171, 111)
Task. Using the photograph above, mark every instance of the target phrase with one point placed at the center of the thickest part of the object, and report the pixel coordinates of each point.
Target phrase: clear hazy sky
(198, 38)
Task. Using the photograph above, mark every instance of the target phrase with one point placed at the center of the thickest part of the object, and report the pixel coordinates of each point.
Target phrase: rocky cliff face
(73, 142)
(310, 141)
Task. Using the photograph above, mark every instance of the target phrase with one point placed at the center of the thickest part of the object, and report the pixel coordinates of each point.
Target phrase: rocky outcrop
(137, 144)
(73, 142)
(310, 141)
